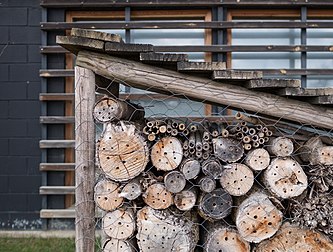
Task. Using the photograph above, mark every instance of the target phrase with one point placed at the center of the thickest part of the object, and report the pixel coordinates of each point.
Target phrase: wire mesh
(173, 174)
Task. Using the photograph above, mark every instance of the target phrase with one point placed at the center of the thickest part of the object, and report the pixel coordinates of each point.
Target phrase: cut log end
(215, 205)
(115, 245)
(281, 147)
(157, 196)
(185, 200)
(119, 224)
(107, 195)
(258, 159)
(237, 179)
(228, 149)
(190, 168)
(322, 155)
(207, 184)
(167, 154)
(213, 168)
(293, 238)
(285, 178)
(257, 218)
(131, 190)
(174, 181)
(226, 239)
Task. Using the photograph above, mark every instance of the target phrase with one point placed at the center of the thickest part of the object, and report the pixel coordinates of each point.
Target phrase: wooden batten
(155, 79)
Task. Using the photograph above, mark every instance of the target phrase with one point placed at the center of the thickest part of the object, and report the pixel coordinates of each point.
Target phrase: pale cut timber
(305, 91)
(106, 195)
(236, 75)
(143, 76)
(186, 199)
(257, 159)
(76, 44)
(280, 146)
(84, 159)
(295, 239)
(200, 67)
(116, 245)
(104, 36)
(322, 155)
(157, 196)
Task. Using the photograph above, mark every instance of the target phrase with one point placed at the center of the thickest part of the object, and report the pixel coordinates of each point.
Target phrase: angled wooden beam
(104, 36)
(139, 75)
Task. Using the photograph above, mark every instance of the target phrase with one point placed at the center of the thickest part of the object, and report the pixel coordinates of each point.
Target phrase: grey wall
(20, 178)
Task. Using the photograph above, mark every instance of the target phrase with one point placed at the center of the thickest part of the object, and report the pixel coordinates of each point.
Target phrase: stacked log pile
(172, 185)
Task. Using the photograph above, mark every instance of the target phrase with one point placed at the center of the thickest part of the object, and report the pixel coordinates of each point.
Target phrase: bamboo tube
(240, 116)
(247, 146)
(246, 139)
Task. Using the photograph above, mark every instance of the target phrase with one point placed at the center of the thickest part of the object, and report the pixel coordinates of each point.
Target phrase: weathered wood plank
(57, 213)
(144, 76)
(272, 83)
(49, 73)
(305, 91)
(57, 144)
(201, 67)
(85, 160)
(56, 119)
(236, 75)
(127, 48)
(92, 34)
(56, 190)
(321, 100)
(75, 44)
(56, 96)
(153, 57)
(57, 166)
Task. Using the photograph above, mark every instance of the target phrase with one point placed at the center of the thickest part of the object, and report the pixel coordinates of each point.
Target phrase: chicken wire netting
(174, 174)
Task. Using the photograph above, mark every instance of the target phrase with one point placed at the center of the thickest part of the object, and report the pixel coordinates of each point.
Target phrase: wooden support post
(85, 155)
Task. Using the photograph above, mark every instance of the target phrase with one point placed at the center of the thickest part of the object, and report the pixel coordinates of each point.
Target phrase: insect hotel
(257, 179)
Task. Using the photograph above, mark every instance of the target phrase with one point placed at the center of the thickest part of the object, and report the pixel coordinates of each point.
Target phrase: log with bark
(161, 230)
(295, 239)
(122, 153)
(257, 218)
(167, 153)
(285, 178)
(108, 109)
(219, 237)
(237, 179)
(215, 205)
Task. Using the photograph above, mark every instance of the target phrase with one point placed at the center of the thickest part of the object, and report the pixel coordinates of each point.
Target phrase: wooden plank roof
(287, 91)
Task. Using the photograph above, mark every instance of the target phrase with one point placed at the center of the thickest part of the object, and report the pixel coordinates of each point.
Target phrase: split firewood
(237, 179)
(212, 167)
(107, 195)
(206, 183)
(257, 159)
(163, 231)
(174, 181)
(157, 196)
(132, 189)
(219, 237)
(280, 147)
(108, 109)
(314, 212)
(295, 239)
(186, 199)
(119, 224)
(190, 168)
(122, 154)
(167, 153)
(285, 178)
(215, 205)
(228, 149)
(116, 245)
(257, 218)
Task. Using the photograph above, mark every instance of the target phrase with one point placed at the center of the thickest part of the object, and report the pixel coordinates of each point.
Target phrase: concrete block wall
(20, 178)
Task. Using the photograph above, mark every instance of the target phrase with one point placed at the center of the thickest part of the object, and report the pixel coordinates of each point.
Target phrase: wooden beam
(305, 91)
(187, 67)
(52, 73)
(92, 34)
(144, 76)
(164, 58)
(56, 190)
(84, 159)
(56, 166)
(56, 97)
(57, 213)
(185, 25)
(56, 119)
(185, 3)
(75, 44)
(56, 144)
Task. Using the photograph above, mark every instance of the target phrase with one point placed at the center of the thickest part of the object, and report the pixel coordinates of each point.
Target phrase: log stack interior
(244, 182)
